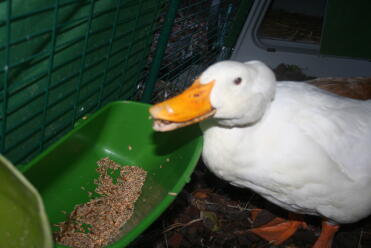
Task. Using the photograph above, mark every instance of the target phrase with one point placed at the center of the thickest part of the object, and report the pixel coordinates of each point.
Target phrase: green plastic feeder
(64, 173)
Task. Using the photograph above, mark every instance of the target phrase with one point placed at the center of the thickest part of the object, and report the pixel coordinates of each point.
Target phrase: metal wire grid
(197, 40)
(60, 60)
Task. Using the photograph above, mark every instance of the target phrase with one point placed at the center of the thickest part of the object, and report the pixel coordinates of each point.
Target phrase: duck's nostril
(169, 109)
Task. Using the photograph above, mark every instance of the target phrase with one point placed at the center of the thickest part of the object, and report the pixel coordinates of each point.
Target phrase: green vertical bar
(238, 22)
(132, 35)
(108, 58)
(6, 71)
(148, 44)
(50, 71)
(160, 50)
(83, 60)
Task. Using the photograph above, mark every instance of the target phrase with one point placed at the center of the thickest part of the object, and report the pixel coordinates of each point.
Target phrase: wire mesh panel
(61, 59)
(197, 40)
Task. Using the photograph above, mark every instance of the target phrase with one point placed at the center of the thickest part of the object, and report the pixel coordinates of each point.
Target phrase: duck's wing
(341, 127)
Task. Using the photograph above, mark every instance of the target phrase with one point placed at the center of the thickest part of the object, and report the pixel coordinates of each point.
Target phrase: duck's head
(233, 93)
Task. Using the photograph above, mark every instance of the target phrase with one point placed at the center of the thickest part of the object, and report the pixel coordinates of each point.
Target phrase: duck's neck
(250, 117)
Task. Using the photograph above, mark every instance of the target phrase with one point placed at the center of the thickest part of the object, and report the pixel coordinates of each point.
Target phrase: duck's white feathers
(340, 126)
(310, 153)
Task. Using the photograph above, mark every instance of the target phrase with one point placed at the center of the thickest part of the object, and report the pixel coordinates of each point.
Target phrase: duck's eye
(237, 81)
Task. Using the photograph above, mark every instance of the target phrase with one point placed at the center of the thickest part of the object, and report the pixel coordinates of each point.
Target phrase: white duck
(300, 147)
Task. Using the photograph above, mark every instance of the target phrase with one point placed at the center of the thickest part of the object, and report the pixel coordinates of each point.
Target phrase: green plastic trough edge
(40, 220)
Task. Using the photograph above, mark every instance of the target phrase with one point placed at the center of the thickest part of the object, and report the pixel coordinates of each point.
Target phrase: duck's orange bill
(194, 102)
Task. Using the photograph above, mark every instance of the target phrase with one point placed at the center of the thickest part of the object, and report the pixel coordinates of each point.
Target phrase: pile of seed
(96, 223)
